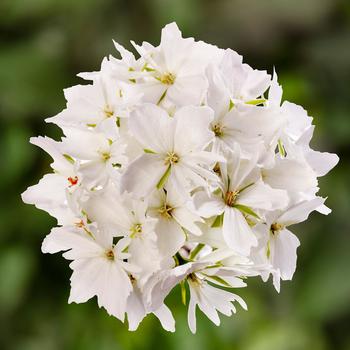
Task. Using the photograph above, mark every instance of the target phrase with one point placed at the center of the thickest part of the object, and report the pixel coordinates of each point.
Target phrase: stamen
(135, 230)
(167, 79)
(108, 112)
(276, 227)
(171, 158)
(106, 156)
(110, 254)
(80, 224)
(165, 211)
(230, 198)
(218, 129)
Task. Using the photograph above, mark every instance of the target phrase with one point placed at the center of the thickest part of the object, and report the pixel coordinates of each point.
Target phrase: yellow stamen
(171, 158)
(230, 198)
(167, 79)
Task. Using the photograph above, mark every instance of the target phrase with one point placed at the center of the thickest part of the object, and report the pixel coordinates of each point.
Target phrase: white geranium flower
(241, 192)
(241, 82)
(53, 190)
(179, 167)
(174, 70)
(174, 150)
(210, 300)
(279, 243)
(100, 157)
(174, 217)
(98, 266)
(106, 100)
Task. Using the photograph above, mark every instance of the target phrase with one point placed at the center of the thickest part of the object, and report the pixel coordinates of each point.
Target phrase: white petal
(187, 220)
(192, 129)
(262, 196)
(208, 206)
(291, 175)
(191, 314)
(322, 162)
(283, 248)
(300, 212)
(152, 127)
(237, 233)
(170, 236)
(166, 318)
(61, 239)
(135, 309)
(187, 90)
(142, 175)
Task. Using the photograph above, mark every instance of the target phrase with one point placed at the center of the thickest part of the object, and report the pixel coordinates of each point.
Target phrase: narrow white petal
(237, 233)
(166, 318)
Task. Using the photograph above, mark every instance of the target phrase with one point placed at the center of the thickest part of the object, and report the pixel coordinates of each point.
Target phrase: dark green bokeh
(44, 43)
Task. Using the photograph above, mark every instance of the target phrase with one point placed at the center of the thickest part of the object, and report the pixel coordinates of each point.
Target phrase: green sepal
(196, 250)
(218, 221)
(219, 280)
(245, 187)
(268, 250)
(183, 292)
(256, 102)
(231, 105)
(69, 158)
(246, 210)
(147, 150)
(281, 149)
(162, 97)
(164, 178)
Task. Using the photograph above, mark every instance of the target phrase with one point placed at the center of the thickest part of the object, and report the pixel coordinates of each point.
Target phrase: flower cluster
(178, 167)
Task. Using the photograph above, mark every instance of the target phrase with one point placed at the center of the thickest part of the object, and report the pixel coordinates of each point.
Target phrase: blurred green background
(44, 43)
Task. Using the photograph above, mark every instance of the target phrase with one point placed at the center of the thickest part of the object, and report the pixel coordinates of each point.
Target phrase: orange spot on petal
(73, 180)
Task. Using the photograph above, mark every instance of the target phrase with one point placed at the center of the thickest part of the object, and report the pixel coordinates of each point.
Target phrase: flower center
(230, 198)
(194, 279)
(165, 211)
(80, 224)
(276, 227)
(110, 254)
(218, 129)
(105, 156)
(171, 158)
(167, 79)
(108, 112)
(135, 230)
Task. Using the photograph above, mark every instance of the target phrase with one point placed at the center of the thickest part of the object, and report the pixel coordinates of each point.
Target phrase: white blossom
(179, 165)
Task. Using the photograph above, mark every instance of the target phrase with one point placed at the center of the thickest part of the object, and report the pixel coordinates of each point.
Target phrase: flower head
(178, 167)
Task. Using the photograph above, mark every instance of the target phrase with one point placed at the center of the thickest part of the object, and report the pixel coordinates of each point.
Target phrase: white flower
(174, 216)
(100, 157)
(174, 70)
(98, 266)
(180, 166)
(241, 82)
(53, 190)
(174, 150)
(241, 192)
(280, 244)
(210, 300)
